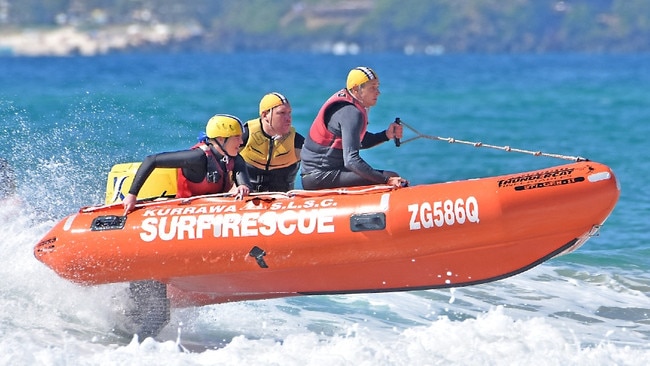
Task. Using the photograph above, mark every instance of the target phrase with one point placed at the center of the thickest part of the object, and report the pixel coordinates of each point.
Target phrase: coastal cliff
(92, 27)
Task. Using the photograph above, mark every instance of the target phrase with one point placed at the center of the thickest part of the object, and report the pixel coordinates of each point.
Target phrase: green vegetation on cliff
(455, 26)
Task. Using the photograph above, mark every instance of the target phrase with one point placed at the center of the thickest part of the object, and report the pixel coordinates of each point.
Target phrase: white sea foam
(546, 316)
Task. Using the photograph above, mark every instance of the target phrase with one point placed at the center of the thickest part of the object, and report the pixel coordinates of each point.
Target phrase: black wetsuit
(193, 163)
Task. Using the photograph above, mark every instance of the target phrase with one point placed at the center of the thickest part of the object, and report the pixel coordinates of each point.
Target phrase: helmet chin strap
(354, 96)
(225, 152)
(270, 119)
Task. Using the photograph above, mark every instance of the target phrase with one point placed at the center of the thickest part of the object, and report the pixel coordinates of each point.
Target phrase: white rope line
(452, 140)
(227, 197)
(153, 202)
(344, 191)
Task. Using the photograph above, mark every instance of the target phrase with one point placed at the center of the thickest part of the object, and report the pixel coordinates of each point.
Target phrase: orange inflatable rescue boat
(214, 249)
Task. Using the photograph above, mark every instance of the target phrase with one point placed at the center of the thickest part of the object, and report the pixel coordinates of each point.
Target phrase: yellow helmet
(360, 75)
(223, 125)
(272, 100)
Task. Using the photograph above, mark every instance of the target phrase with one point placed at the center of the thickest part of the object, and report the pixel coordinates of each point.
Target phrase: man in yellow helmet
(272, 146)
(211, 166)
(330, 156)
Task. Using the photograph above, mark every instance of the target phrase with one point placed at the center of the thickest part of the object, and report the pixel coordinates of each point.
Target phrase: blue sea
(64, 122)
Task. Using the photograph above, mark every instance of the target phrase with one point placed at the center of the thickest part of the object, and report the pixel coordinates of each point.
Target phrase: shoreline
(72, 41)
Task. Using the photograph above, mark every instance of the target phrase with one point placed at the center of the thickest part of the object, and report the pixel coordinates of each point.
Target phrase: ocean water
(65, 121)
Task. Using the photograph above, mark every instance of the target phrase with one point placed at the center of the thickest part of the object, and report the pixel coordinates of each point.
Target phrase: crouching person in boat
(272, 146)
(330, 155)
(211, 166)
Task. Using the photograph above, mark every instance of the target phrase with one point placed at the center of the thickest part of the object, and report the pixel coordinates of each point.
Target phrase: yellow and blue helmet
(360, 75)
(223, 125)
(272, 100)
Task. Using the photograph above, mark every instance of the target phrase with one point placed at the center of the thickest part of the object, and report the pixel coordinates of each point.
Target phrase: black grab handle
(397, 141)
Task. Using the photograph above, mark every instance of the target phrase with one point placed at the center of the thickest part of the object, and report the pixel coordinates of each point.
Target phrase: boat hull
(363, 239)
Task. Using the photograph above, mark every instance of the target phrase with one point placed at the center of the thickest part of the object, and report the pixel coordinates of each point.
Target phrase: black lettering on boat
(552, 183)
(536, 177)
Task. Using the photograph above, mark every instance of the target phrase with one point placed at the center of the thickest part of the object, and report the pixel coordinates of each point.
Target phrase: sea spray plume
(64, 161)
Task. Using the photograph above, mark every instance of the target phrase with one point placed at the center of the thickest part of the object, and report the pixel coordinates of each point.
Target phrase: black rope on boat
(452, 140)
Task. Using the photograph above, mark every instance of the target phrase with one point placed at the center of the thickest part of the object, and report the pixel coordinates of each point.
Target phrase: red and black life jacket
(216, 180)
(319, 132)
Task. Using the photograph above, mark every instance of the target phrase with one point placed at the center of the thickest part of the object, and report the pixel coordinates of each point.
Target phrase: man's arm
(190, 160)
(371, 139)
(241, 172)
